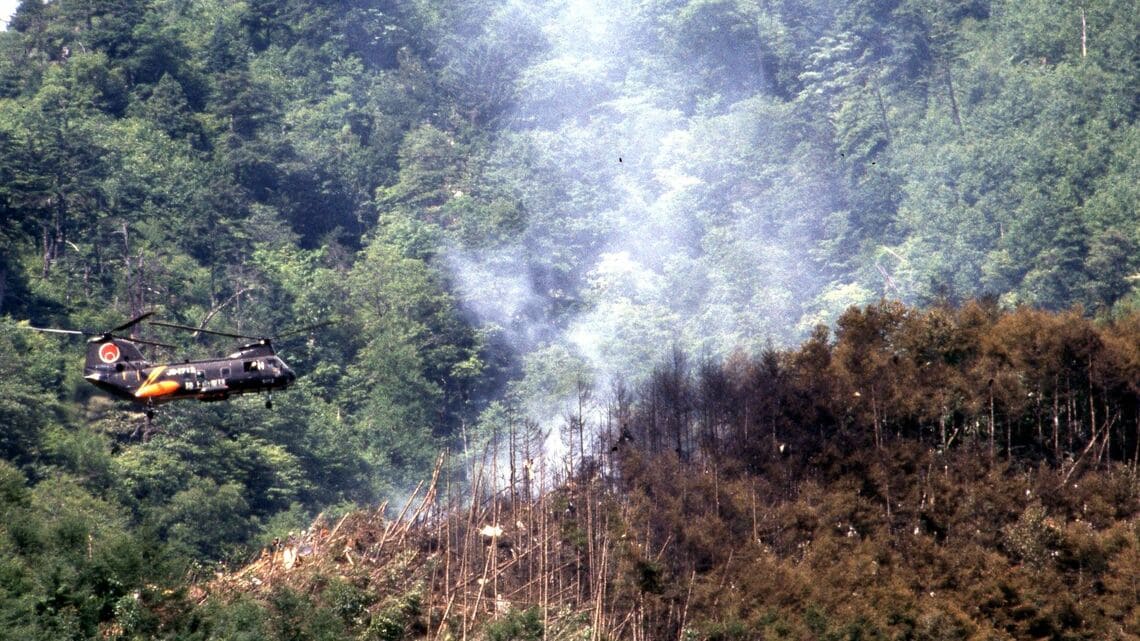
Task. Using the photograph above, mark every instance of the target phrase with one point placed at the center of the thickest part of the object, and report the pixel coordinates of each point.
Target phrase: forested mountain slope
(874, 486)
(512, 212)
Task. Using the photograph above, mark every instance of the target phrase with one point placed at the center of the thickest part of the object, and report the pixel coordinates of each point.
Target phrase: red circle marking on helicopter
(109, 353)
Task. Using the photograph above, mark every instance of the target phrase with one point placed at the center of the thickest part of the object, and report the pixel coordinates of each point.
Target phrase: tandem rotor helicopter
(116, 365)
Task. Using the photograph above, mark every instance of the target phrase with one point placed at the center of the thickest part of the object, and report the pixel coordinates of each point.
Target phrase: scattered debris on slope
(461, 566)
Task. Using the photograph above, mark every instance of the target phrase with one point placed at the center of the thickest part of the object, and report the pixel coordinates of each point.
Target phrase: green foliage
(484, 61)
(241, 620)
(1034, 538)
(517, 625)
(430, 163)
(207, 520)
(70, 560)
(348, 601)
(27, 404)
(396, 619)
(295, 617)
(648, 576)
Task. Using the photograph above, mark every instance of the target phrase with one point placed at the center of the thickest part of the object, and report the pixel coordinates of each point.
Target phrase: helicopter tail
(109, 353)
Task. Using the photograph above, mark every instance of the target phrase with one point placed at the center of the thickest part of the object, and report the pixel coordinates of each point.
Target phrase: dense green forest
(512, 214)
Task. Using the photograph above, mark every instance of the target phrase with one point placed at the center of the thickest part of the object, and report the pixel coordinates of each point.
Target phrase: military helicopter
(116, 365)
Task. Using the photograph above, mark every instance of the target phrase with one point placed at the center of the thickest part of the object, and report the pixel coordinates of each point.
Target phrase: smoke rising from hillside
(664, 214)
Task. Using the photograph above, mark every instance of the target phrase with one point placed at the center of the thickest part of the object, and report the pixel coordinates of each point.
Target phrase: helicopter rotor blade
(74, 332)
(204, 331)
(264, 339)
(302, 330)
(107, 334)
(131, 323)
(143, 342)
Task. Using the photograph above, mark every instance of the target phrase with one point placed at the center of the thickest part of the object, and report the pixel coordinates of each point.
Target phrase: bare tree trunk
(875, 420)
(1056, 421)
(544, 560)
(955, 114)
(1071, 413)
(47, 252)
(1136, 446)
(600, 626)
(992, 426)
(128, 272)
(942, 427)
(882, 109)
(1084, 35)
(1092, 411)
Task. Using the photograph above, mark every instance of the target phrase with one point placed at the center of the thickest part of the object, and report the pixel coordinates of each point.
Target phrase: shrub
(518, 625)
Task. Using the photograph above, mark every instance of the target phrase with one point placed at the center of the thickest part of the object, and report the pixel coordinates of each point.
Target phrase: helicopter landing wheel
(269, 403)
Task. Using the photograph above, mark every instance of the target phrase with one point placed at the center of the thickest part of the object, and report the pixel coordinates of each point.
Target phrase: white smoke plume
(685, 225)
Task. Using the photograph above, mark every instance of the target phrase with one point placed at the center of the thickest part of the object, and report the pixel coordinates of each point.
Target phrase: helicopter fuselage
(253, 368)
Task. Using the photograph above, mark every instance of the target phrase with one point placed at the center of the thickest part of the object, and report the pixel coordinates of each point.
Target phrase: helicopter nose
(290, 376)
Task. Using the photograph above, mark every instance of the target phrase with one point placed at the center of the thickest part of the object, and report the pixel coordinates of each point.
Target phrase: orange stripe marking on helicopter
(154, 374)
(157, 389)
(150, 388)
